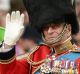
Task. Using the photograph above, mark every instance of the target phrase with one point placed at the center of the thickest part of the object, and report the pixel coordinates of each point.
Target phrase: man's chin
(50, 39)
(55, 43)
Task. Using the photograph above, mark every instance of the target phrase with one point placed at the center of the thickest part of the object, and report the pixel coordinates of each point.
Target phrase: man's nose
(50, 30)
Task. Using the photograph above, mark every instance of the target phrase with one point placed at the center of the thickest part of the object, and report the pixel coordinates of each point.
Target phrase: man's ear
(69, 27)
(68, 32)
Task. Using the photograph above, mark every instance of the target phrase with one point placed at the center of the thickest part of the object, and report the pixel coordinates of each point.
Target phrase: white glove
(14, 28)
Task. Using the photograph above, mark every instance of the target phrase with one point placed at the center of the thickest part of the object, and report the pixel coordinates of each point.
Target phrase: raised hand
(14, 27)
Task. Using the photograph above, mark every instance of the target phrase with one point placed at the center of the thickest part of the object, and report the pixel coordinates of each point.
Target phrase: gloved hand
(14, 27)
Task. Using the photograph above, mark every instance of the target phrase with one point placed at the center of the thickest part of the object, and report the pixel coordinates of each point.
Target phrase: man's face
(52, 31)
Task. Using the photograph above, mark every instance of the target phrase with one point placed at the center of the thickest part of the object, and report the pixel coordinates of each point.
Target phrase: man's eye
(54, 27)
(46, 28)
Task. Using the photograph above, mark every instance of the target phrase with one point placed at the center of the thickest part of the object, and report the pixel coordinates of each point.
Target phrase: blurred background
(9, 6)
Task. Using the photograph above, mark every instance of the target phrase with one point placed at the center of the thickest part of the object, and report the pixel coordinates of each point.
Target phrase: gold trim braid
(29, 58)
(35, 65)
(7, 61)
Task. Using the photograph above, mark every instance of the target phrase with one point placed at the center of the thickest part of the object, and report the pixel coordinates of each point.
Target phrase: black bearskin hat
(43, 12)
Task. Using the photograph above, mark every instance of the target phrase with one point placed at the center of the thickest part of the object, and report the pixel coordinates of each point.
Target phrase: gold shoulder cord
(29, 58)
(33, 64)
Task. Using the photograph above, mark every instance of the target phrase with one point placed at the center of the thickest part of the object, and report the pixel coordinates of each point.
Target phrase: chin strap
(53, 41)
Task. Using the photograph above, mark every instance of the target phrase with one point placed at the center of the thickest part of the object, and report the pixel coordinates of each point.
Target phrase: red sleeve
(15, 67)
(9, 65)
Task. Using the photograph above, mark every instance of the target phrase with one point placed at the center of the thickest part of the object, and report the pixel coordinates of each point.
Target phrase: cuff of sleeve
(7, 56)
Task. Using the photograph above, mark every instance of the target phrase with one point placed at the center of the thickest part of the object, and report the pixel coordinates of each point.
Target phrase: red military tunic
(9, 65)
